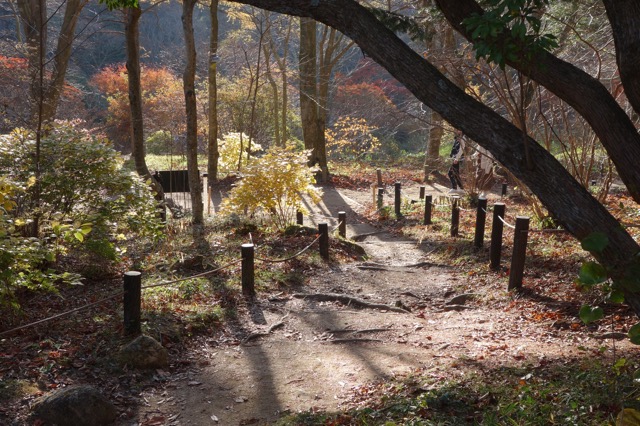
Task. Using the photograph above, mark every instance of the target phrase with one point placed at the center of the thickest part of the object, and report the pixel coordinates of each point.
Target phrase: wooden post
(248, 277)
(397, 199)
(521, 234)
(422, 192)
(299, 218)
(379, 175)
(496, 236)
(504, 189)
(323, 229)
(342, 224)
(380, 197)
(132, 300)
(481, 218)
(428, 201)
(455, 215)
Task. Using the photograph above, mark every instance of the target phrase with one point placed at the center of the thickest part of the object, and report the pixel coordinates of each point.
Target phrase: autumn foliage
(162, 102)
(16, 99)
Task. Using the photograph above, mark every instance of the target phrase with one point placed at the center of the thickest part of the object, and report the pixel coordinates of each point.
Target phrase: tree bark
(132, 41)
(566, 199)
(584, 93)
(189, 77)
(311, 129)
(214, 153)
(624, 16)
(33, 14)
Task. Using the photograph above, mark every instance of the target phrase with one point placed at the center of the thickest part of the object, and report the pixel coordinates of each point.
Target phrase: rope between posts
(80, 308)
(204, 274)
(506, 223)
(335, 227)
(262, 259)
(113, 296)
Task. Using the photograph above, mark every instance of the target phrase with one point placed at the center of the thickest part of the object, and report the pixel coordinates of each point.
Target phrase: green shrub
(83, 198)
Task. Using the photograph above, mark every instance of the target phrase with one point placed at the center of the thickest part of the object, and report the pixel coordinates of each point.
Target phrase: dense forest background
(256, 48)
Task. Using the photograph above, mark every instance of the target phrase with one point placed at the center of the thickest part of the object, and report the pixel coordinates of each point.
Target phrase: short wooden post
(132, 300)
(299, 218)
(504, 189)
(342, 224)
(323, 229)
(481, 218)
(521, 234)
(379, 175)
(422, 192)
(397, 199)
(496, 236)
(428, 200)
(380, 197)
(248, 277)
(455, 215)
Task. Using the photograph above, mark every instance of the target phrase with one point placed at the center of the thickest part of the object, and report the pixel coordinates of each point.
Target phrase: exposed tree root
(348, 300)
(253, 336)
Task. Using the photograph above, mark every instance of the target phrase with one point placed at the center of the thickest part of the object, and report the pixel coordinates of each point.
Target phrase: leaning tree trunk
(584, 93)
(189, 78)
(573, 205)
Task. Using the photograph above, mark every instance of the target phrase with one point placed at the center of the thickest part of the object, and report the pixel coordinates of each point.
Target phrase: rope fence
(132, 282)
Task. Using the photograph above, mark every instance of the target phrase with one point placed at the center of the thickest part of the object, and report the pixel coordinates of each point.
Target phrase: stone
(81, 405)
(144, 353)
(461, 299)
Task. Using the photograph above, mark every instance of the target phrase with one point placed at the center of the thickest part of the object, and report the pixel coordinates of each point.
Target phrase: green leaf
(595, 242)
(634, 334)
(590, 314)
(616, 296)
(592, 273)
(79, 236)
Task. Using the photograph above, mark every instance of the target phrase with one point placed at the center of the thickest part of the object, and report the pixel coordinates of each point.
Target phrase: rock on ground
(144, 352)
(75, 406)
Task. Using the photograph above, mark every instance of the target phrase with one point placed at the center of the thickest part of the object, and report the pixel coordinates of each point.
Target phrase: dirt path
(315, 353)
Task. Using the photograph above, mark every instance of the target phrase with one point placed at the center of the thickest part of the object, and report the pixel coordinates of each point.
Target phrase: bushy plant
(233, 152)
(275, 184)
(83, 198)
(351, 138)
(159, 143)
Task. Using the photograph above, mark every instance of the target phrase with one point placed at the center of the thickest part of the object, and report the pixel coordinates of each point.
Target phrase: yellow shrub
(274, 184)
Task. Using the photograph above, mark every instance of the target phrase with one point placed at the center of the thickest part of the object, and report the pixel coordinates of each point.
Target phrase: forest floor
(287, 353)
(328, 343)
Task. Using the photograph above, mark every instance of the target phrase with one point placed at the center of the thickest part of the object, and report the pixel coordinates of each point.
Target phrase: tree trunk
(275, 101)
(624, 16)
(138, 152)
(565, 198)
(311, 129)
(189, 77)
(46, 94)
(432, 158)
(583, 92)
(214, 153)
(61, 58)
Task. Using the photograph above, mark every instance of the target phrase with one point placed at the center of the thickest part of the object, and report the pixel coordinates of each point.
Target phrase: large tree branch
(624, 16)
(565, 198)
(584, 93)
